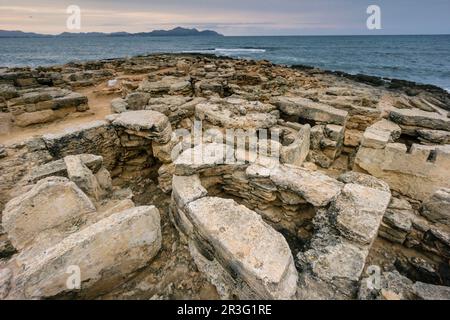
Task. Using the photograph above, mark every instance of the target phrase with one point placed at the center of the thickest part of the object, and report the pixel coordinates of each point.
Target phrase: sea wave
(227, 51)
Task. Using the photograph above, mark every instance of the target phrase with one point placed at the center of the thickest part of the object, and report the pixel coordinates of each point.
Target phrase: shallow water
(424, 59)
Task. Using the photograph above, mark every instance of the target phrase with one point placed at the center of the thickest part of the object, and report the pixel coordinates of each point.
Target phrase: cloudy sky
(230, 17)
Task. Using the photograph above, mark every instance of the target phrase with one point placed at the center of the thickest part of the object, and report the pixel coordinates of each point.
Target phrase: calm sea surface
(424, 59)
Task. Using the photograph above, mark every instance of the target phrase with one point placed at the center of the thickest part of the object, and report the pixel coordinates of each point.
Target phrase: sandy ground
(99, 105)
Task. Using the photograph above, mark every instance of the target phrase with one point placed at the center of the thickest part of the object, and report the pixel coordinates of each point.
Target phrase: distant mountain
(180, 32)
(177, 32)
(19, 34)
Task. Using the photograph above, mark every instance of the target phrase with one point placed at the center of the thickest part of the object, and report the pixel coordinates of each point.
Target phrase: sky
(230, 17)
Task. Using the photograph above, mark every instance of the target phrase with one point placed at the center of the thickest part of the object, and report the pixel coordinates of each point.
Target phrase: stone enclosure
(324, 179)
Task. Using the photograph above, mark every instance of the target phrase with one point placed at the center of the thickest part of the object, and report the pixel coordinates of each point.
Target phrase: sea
(423, 59)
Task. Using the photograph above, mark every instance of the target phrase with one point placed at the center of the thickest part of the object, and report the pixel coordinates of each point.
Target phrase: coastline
(384, 56)
(387, 82)
(355, 168)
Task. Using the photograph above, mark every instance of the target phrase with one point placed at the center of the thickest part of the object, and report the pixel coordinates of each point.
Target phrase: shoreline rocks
(324, 179)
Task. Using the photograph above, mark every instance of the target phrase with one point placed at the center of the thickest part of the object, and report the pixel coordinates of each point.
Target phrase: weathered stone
(5, 282)
(392, 282)
(237, 113)
(417, 172)
(296, 152)
(316, 188)
(358, 212)
(419, 118)
(51, 203)
(202, 157)
(8, 91)
(398, 219)
(187, 189)
(334, 267)
(380, 134)
(58, 167)
(74, 99)
(96, 137)
(364, 180)
(425, 291)
(437, 207)
(119, 105)
(83, 177)
(246, 246)
(105, 253)
(308, 109)
(434, 136)
(137, 100)
(30, 118)
(147, 123)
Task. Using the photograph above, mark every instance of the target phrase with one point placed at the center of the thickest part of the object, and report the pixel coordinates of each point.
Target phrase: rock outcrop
(223, 178)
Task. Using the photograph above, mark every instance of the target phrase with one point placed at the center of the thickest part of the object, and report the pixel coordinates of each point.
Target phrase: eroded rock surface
(329, 176)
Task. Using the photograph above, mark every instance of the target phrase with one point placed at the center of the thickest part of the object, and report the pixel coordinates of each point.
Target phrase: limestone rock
(51, 203)
(119, 105)
(316, 188)
(308, 109)
(83, 177)
(5, 282)
(392, 282)
(380, 134)
(237, 113)
(437, 207)
(246, 246)
(146, 123)
(425, 291)
(419, 118)
(364, 180)
(58, 167)
(187, 189)
(202, 157)
(29, 118)
(105, 253)
(359, 211)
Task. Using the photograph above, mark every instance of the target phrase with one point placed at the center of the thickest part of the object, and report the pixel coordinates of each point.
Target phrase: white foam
(239, 50)
(226, 51)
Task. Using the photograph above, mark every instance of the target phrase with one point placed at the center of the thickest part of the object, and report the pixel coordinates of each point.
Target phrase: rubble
(324, 178)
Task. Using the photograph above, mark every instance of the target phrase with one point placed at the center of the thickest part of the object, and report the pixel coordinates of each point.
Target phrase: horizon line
(224, 35)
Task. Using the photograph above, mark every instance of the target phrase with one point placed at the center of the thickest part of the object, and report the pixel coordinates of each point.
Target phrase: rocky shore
(333, 186)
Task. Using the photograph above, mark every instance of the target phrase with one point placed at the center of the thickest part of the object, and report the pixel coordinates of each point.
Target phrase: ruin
(222, 178)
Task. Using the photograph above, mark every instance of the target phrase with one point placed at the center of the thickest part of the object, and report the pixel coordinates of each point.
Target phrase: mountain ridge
(178, 31)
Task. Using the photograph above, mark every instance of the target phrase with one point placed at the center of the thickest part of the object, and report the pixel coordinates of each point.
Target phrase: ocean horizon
(420, 58)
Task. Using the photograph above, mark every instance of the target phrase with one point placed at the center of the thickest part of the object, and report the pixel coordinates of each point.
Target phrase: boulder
(30, 118)
(380, 134)
(105, 253)
(5, 282)
(364, 180)
(424, 291)
(420, 119)
(146, 123)
(186, 189)
(53, 202)
(310, 110)
(358, 212)
(83, 177)
(245, 246)
(119, 105)
(59, 168)
(437, 207)
(315, 187)
(202, 157)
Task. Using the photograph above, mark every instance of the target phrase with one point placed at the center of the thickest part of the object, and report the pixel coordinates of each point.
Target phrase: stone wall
(417, 171)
